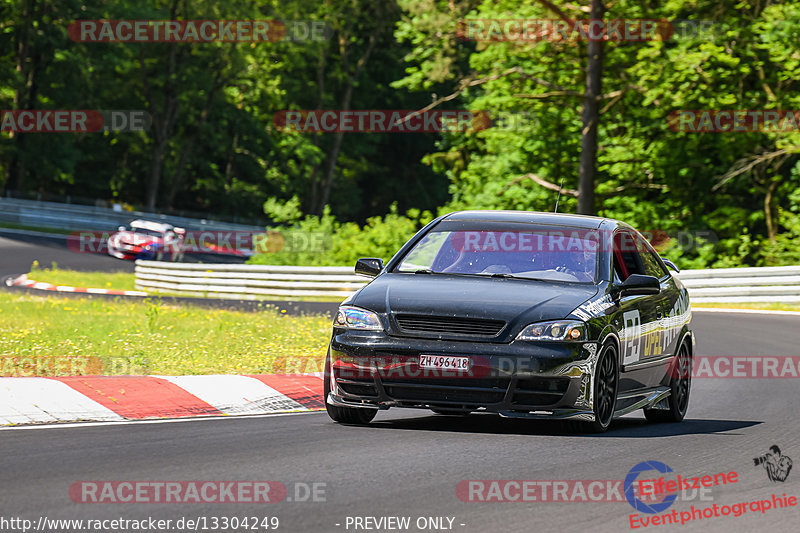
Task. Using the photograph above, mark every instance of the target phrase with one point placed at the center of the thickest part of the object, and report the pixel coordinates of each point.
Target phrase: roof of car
(531, 217)
(153, 226)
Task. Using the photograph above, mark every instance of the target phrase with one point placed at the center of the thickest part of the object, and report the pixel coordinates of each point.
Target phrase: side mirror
(121, 228)
(670, 265)
(370, 266)
(639, 284)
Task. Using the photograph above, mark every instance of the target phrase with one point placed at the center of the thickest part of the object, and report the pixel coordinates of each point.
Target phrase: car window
(634, 255)
(650, 262)
(626, 256)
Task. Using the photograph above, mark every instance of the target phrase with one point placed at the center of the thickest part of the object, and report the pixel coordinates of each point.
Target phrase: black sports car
(522, 314)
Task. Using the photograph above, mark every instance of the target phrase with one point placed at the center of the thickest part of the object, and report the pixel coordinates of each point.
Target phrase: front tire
(606, 386)
(680, 385)
(343, 415)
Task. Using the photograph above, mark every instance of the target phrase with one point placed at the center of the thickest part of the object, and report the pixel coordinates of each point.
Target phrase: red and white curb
(23, 281)
(36, 400)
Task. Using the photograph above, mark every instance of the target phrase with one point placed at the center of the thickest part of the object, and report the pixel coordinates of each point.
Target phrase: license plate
(445, 362)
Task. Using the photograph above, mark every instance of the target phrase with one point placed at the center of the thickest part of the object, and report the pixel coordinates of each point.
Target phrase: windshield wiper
(424, 271)
(502, 275)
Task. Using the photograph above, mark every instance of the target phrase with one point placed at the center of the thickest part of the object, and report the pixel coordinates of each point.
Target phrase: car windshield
(148, 232)
(550, 253)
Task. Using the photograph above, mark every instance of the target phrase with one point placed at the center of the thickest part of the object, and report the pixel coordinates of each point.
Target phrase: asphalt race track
(18, 250)
(408, 463)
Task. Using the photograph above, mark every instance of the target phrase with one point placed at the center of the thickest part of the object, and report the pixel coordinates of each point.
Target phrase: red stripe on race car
(305, 390)
(139, 397)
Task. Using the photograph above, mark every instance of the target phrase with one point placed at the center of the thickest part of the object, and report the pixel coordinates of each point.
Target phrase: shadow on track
(623, 428)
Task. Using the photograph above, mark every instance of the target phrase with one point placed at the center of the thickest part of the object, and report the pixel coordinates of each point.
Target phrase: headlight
(356, 318)
(557, 330)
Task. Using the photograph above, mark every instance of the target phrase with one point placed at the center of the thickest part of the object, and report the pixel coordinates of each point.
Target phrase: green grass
(57, 336)
(754, 305)
(124, 281)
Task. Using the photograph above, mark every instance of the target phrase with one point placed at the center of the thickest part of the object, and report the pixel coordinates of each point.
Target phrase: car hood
(511, 300)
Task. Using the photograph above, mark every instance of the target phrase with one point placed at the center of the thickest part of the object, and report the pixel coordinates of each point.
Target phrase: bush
(323, 241)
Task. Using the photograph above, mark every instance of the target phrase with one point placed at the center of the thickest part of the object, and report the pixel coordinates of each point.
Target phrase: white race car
(147, 240)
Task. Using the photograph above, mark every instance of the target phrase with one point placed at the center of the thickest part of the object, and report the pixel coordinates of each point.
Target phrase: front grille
(448, 390)
(500, 383)
(477, 327)
(407, 392)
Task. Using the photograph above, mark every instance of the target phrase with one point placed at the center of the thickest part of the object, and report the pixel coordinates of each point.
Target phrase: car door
(640, 332)
(668, 306)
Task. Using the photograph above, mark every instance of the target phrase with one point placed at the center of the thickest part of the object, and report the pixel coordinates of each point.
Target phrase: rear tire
(680, 385)
(344, 415)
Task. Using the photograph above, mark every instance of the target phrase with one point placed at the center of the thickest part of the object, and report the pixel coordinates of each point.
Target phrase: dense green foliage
(732, 196)
(213, 143)
(342, 243)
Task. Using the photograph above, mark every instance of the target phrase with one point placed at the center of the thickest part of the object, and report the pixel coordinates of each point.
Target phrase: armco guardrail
(764, 284)
(769, 284)
(246, 281)
(85, 217)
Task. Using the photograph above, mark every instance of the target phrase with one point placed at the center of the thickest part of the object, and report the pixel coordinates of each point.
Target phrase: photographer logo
(777, 466)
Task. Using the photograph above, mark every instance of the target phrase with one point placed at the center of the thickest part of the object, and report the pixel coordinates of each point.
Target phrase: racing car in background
(521, 314)
(147, 240)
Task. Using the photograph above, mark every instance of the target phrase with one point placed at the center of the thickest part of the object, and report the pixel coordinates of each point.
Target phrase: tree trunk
(321, 65)
(333, 157)
(771, 230)
(590, 118)
(156, 158)
(163, 119)
(229, 162)
(188, 145)
(345, 106)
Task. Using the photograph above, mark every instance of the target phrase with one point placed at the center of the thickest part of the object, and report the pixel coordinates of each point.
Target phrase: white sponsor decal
(594, 308)
(631, 337)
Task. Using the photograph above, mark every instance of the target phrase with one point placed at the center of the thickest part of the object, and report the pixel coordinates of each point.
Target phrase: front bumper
(517, 379)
